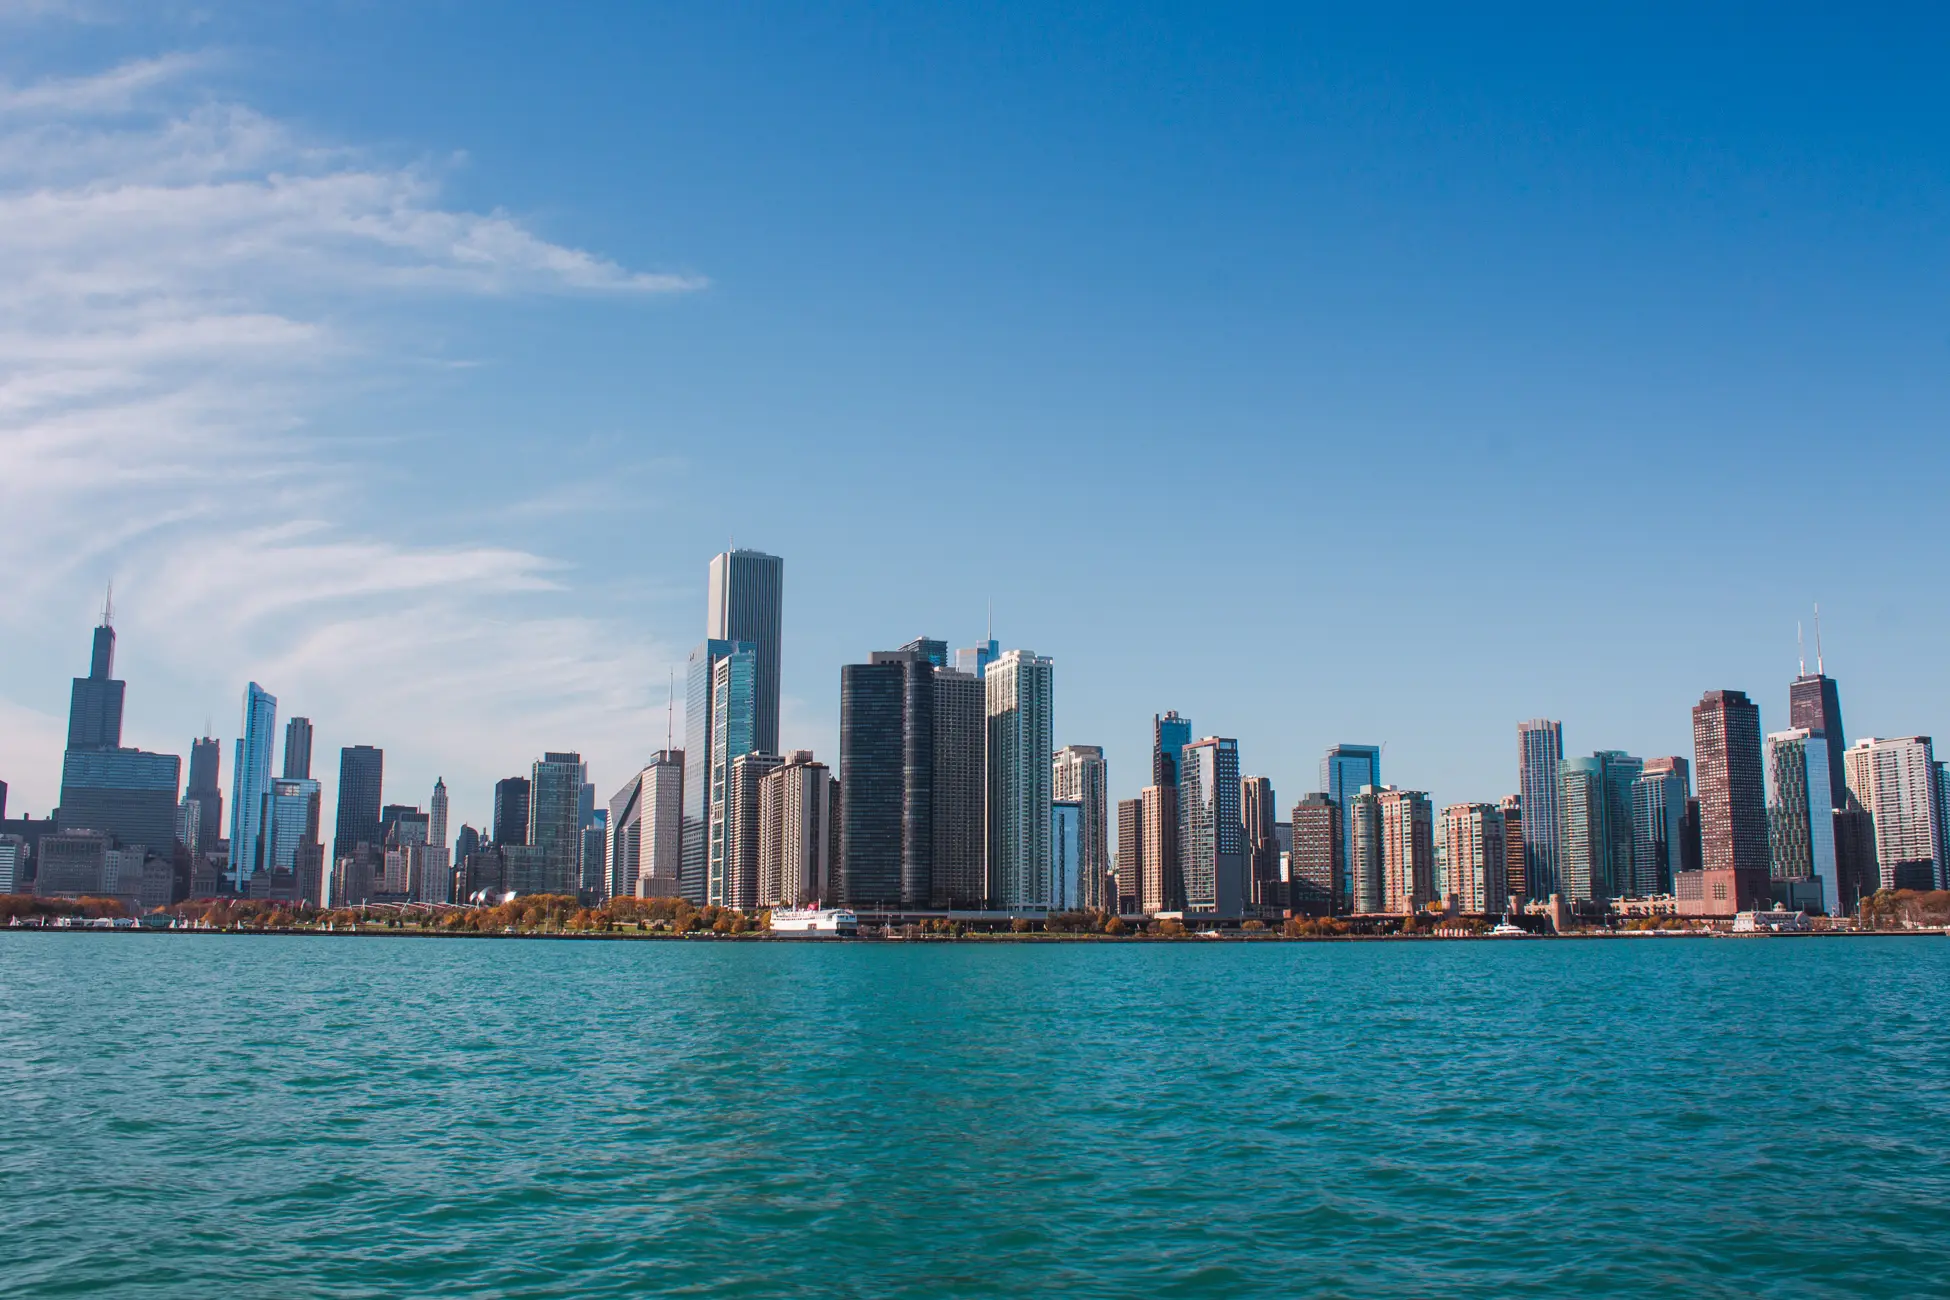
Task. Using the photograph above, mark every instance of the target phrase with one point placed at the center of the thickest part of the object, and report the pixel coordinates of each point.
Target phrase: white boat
(1504, 929)
(814, 920)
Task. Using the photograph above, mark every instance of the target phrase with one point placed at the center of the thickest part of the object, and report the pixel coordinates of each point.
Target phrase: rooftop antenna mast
(670, 712)
(1800, 649)
(108, 607)
(1819, 670)
(991, 634)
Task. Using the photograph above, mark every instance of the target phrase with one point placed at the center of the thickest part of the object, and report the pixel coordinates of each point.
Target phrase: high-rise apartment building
(1895, 781)
(911, 782)
(555, 819)
(1161, 888)
(1130, 854)
(1801, 815)
(362, 770)
(1261, 818)
(1369, 883)
(1407, 822)
(1514, 880)
(1019, 689)
(746, 606)
(1066, 870)
(1211, 834)
(1659, 796)
(1540, 748)
(799, 808)
(1344, 771)
(1078, 775)
(1473, 837)
(744, 829)
(250, 778)
(1314, 866)
(1595, 831)
(1732, 807)
(644, 830)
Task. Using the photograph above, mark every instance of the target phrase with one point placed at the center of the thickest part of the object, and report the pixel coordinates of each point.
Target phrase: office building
(1079, 776)
(1368, 888)
(975, 660)
(720, 722)
(745, 607)
(1211, 833)
(1261, 818)
(250, 781)
(129, 795)
(555, 819)
(1801, 815)
(1895, 782)
(1815, 706)
(799, 809)
(1514, 880)
(1732, 808)
(1476, 853)
(743, 829)
(95, 705)
(290, 828)
(13, 862)
(1407, 823)
(1315, 869)
(1161, 887)
(1019, 689)
(362, 772)
(1130, 854)
(297, 749)
(189, 822)
(71, 864)
(1540, 748)
(1344, 771)
(1066, 856)
(1169, 735)
(205, 788)
(645, 827)
(1659, 796)
(511, 810)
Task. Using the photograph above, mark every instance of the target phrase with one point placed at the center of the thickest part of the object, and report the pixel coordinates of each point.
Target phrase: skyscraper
(958, 871)
(1477, 854)
(874, 780)
(206, 757)
(720, 723)
(1732, 804)
(975, 660)
(1511, 806)
(1257, 811)
(1369, 882)
(644, 830)
(362, 770)
(1343, 772)
(746, 604)
(1066, 856)
(1130, 854)
(1815, 706)
(1020, 693)
(291, 833)
(555, 819)
(1315, 867)
(1407, 821)
(1078, 775)
(1161, 888)
(510, 810)
(1540, 748)
(744, 829)
(250, 781)
(1895, 780)
(1659, 796)
(1595, 830)
(127, 794)
(1169, 735)
(297, 749)
(1801, 816)
(798, 809)
(1211, 834)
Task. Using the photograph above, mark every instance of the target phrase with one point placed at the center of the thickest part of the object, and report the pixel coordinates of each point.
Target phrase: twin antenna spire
(108, 607)
(1801, 647)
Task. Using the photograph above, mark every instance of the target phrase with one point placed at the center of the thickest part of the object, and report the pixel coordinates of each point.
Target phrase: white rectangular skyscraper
(1019, 688)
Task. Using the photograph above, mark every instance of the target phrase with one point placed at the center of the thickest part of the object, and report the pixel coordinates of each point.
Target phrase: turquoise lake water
(214, 1115)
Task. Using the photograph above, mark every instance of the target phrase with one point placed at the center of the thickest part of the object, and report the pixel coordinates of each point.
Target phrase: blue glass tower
(250, 782)
(711, 741)
(1343, 771)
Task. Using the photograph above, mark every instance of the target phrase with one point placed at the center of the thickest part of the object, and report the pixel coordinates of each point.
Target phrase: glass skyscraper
(1801, 817)
(1659, 796)
(362, 770)
(1343, 772)
(709, 748)
(746, 606)
(1019, 692)
(1540, 748)
(250, 782)
(1211, 832)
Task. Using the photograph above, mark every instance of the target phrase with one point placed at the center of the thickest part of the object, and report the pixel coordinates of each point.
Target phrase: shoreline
(980, 939)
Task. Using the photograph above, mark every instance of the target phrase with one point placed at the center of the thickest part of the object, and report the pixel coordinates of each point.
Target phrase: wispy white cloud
(172, 269)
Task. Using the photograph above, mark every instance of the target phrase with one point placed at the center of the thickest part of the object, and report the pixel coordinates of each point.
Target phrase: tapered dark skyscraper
(1732, 799)
(95, 707)
(1815, 703)
(362, 769)
(746, 601)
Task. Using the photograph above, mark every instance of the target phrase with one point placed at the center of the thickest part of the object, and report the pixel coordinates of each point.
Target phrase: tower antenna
(1819, 670)
(670, 712)
(1800, 649)
(108, 607)
(991, 635)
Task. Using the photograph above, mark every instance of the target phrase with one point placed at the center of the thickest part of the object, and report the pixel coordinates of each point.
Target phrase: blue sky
(1384, 377)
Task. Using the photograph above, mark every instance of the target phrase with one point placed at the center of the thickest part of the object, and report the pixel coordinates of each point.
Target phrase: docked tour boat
(814, 920)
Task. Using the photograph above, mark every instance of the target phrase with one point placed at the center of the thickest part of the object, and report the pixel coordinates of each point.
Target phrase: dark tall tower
(511, 810)
(1732, 798)
(95, 707)
(873, 791)
(1815, 703)
(362, 771)
(297, 749)
(1256, 809)
(1314, 865)
(746, 602)
(206, 762)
